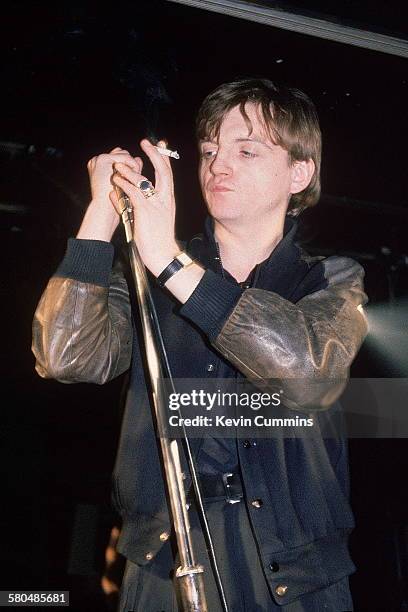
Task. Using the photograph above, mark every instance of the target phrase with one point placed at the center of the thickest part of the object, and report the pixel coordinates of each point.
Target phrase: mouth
(219, 189)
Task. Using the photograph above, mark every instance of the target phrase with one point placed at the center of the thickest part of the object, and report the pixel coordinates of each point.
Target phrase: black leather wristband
(182, 260)
(173, 267)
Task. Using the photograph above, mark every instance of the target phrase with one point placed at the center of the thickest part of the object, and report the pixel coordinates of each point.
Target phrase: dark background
(78, 80)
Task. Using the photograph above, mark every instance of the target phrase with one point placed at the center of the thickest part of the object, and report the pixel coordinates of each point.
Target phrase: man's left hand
(154, 216)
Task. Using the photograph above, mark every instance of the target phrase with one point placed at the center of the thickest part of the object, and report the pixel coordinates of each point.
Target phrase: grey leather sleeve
(304, 349)
(83, 332)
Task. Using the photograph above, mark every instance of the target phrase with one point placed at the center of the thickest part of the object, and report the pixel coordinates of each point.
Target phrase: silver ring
(146, 187)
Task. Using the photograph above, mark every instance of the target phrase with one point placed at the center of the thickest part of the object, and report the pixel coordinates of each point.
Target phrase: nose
(220, 164)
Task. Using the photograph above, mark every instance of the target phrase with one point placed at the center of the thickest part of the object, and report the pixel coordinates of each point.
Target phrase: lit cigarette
(168, 152)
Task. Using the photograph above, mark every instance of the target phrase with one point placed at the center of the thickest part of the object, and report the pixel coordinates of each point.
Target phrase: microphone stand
(190, 574)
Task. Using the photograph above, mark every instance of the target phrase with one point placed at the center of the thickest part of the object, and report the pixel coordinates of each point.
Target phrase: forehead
(235, 125)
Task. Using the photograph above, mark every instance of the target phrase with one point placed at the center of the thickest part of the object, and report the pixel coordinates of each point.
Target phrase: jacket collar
(285, 249)
(279, 272)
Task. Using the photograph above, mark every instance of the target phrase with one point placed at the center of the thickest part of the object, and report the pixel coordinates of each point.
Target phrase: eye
(248, 154)
(208, 153)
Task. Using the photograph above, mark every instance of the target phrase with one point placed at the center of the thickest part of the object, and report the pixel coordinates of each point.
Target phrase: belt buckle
(230, 499)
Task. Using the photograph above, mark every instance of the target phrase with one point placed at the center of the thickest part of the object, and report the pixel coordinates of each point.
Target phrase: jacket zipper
(218, 258)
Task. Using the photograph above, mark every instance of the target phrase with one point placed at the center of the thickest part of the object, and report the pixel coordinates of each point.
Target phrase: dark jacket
(300, 324)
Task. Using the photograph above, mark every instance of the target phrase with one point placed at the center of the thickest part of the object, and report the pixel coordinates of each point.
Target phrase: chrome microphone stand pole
(190, 574)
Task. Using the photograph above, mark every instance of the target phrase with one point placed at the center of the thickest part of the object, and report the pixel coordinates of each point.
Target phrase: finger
(116, 155)
(167, 161)
(163, 144)
(125, 159)
(161, 165)
(139, 161)
(128, 188)
(115, 201)
(124, 156)
(117, 149)
(130, 174)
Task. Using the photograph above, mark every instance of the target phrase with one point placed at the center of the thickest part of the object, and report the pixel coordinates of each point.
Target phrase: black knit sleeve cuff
(211, 303)
(88, 261)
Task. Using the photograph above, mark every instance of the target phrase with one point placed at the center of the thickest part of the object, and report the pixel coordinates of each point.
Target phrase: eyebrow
(253, 140)
(257, 140)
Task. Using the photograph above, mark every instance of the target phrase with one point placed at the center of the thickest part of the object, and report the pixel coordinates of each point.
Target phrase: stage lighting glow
(388, 333)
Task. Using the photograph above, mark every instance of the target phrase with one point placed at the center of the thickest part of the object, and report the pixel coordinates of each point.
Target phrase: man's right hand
(101, 219)
(100, 170)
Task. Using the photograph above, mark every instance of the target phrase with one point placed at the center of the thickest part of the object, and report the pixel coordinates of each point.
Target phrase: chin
(222, 209)
(224, 213)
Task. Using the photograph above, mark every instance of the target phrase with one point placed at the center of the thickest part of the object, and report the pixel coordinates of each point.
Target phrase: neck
(242, 248)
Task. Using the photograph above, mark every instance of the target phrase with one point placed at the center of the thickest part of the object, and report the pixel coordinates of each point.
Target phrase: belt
(227, 487)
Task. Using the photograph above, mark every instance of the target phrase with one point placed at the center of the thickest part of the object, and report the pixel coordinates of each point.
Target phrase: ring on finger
(146, 187)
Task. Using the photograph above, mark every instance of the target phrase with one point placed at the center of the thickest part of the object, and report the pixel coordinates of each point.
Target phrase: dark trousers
(150, 588)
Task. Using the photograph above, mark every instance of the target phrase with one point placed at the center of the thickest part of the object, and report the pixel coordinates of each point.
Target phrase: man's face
(244, 177)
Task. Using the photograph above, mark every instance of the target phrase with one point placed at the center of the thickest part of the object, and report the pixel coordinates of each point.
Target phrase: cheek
(264, 187)
(202, 176)
(260, 181)
(274, 180)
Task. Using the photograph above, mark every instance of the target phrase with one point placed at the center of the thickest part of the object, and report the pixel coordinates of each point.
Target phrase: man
(252, 304)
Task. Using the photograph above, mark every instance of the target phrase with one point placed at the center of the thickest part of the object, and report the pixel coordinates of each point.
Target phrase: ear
(302, 172)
